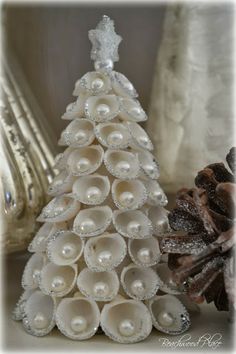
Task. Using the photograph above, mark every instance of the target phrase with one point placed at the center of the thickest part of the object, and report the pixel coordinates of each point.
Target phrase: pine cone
(201, 251)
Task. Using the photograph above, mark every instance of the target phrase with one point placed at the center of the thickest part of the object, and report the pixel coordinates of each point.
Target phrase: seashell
(122, 164)
(168, 314)
(75, 109)
(126, 321)
(31, 273)
(167, 284)
(57, 280)
(144, 253)
(64, 247)
(86, 160)
(59, 209)
(112, 135)
(121, 85)
(138, 282)
(156, 195)
(105, 252)
(91, 190)
(94, 82)
(148, 164)
(61, 159)
(39, 314)
(99, 286)
(80, 132)
(62, 183)
(92, 221)
(102, 108)
(18, 312)
(131, 110)
(128, 195)
(77, 318)
(140, 139)
(38, 244)
(132, 224)
(159, 219)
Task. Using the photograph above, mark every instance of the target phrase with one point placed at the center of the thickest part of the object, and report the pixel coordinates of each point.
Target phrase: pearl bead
(133, 227)
(161, 224)
(115, 138)
(104, 257)
(40, 321)
(126, 328)
(165, 319)
(81, 136)
(83, 164)
(123, 167)
(135, 110)
(68, 250)
(35, 275)
(143, 140)
(58, 283)
(87, 225)
(94, 193)
(144, 255)
(137, 287)
(126, 198)
(78, 323)
(103, 109)
(149, 168)
(157, 195)
(97, 84)
(101, 289)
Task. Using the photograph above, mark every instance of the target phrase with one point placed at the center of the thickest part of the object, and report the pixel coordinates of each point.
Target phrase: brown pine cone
(201, 251)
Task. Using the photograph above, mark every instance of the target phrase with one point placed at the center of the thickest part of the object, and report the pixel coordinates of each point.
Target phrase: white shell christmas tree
(96, 258)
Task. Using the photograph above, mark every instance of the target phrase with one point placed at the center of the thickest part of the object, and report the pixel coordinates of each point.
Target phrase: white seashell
(77, 318)
(18, 312)
(99, 286)
(94, 83)
(105, 252)
(62, 183)
(159, 219)
(156, 195)
(112, 135)
(57, 280)
(38, 244)
(128, 195)
(122, 164)
(102, 108)
(61, 159)
(126, 321)
(144, 253)
(138, 282)
(148, 164)
(80, 132)
(92, 221)
(131, 110)
(91, 190)
(140, 139)
(132, 224)
(86, 160)
(168, 314)
(59, 209)
(64, 247)
(39, 314)
(121, 85)
(167, 284)
(31, 273)
(75, 109)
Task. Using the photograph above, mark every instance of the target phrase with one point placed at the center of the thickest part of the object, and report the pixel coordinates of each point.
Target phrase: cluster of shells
(96, 260)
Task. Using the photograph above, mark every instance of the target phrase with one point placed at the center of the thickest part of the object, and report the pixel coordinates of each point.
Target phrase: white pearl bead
(58, 283)
(161, 224)
(143, 140)
(101, 289)
(104, 257)
(94, 193)
(137, 287)
(80, 136)
(35, 275)
(126, 328)
(97, 84)
(87, 225)
(69, 250)
(83, 164)
(135, 110)
(133, 227)
(40, 321)
(126, 198)
(78, 323)
(103, 109)
(157, 195)
(144, 255)
(115, 138)
(165, 319)
(149, 168)
(123, 167)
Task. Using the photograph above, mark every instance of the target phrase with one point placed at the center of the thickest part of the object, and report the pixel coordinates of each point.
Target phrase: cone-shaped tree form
(97, 258)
